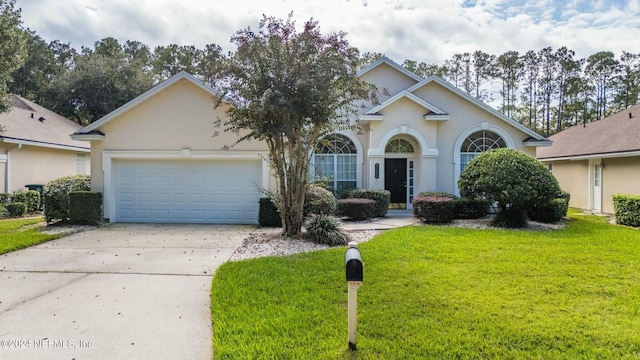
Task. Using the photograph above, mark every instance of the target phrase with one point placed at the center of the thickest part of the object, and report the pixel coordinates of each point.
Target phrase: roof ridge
(18, 101)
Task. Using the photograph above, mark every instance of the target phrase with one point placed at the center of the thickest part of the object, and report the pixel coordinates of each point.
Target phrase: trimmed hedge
(627, 209)
(356, 208)
(85, 207)
(30, 197)
(550, 212)
(318, 200)
(17, 209)
(464, 208)
(268, 214)
(381, 197)
(438, 194)
(433, 209)
(3, 212)
(56, 195)
(5, 198)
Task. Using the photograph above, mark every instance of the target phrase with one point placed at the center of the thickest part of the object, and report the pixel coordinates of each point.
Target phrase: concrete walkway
(117, 292)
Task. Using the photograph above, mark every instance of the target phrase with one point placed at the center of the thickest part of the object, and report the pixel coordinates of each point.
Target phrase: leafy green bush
(29, 197)
(323, 229)
(5, 198)
(17, 209)
(3, 212)
(85, 207)
(318, 200)
(357, 209)
(513, 179)
(381, 197)
(56, 195)
(627, 209)
(464, 208)
(433, 209)
(268, 214)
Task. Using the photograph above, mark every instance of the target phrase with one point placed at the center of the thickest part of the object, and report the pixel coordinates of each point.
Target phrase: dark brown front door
(395, 179)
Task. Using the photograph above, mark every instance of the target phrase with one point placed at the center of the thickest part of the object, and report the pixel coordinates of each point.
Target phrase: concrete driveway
(119, 292)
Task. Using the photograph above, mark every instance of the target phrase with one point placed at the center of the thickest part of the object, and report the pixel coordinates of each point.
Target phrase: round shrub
(17, 209)
(268, 214)
(357, 209)
(56, 195)
(433, 209)
(318, 200)
(550, 212)
(323, 229)
(513, 179)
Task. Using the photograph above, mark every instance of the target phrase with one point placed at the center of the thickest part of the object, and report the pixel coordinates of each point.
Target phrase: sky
(431, 31)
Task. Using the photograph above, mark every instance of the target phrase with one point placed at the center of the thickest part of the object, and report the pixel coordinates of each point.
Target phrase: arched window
(399, 146)
(336, 159)
(477, 143)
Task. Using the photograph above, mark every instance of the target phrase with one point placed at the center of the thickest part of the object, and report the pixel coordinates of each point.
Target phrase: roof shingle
(29, 121)
(618, 133)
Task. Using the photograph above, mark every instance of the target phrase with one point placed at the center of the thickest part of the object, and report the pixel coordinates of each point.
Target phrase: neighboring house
(35, 147)
(598, 160)
(164, 158)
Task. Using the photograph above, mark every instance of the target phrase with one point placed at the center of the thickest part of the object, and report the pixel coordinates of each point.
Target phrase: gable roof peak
(391, 63)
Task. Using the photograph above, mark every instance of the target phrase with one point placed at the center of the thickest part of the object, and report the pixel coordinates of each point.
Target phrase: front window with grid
(477, 143)
(336, 159)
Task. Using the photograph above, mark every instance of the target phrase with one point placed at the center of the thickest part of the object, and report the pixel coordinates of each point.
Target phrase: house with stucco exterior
(35, 147)
(163, 157)
(595, 161)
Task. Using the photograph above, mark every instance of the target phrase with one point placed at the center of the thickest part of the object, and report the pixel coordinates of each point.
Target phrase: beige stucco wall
(37, 165)
(573, 177)
(619, 176)
(388, 80)
(438, 173)
(182, 116)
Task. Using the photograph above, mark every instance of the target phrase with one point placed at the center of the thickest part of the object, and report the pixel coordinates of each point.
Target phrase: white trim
(359, 154)
(408, 95)
(110, 155)
(3, 158)
(87, 137)
(592, 188)
(400, 130)
(463, 136)
(144, 96)
(393, 64)
(478, 103)
(594, 156)
(537, 143)
(371, 117)
(45, 145)
(430, 117)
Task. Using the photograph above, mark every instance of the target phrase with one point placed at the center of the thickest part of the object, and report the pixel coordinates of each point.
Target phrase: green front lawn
(17, 234)
(440, 293)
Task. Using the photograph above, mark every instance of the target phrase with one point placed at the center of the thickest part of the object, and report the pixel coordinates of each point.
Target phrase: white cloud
(415, 29)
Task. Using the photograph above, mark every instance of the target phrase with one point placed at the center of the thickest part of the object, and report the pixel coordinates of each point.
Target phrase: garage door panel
(186, 191)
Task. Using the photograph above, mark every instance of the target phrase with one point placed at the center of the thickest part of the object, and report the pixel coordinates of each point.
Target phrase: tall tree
(103, 79)
(33, 77)
(13, 50)
(568, 70)
(509, 69)
(483, 70)
(531, 72)
(629, 84)
(602, 69)
(289, 89)
(421, 68)
(170, 60)
(547, 84)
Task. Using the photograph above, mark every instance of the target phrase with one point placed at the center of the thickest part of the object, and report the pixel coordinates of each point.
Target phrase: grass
(435, 292)
(16, 234)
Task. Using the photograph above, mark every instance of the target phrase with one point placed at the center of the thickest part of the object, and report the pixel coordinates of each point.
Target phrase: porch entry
(596, 188)
(398, 179)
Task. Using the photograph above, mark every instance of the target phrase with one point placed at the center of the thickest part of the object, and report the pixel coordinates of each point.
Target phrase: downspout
(7, 176)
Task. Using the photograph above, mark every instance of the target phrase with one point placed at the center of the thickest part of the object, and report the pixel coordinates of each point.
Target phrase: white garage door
(187, 191)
